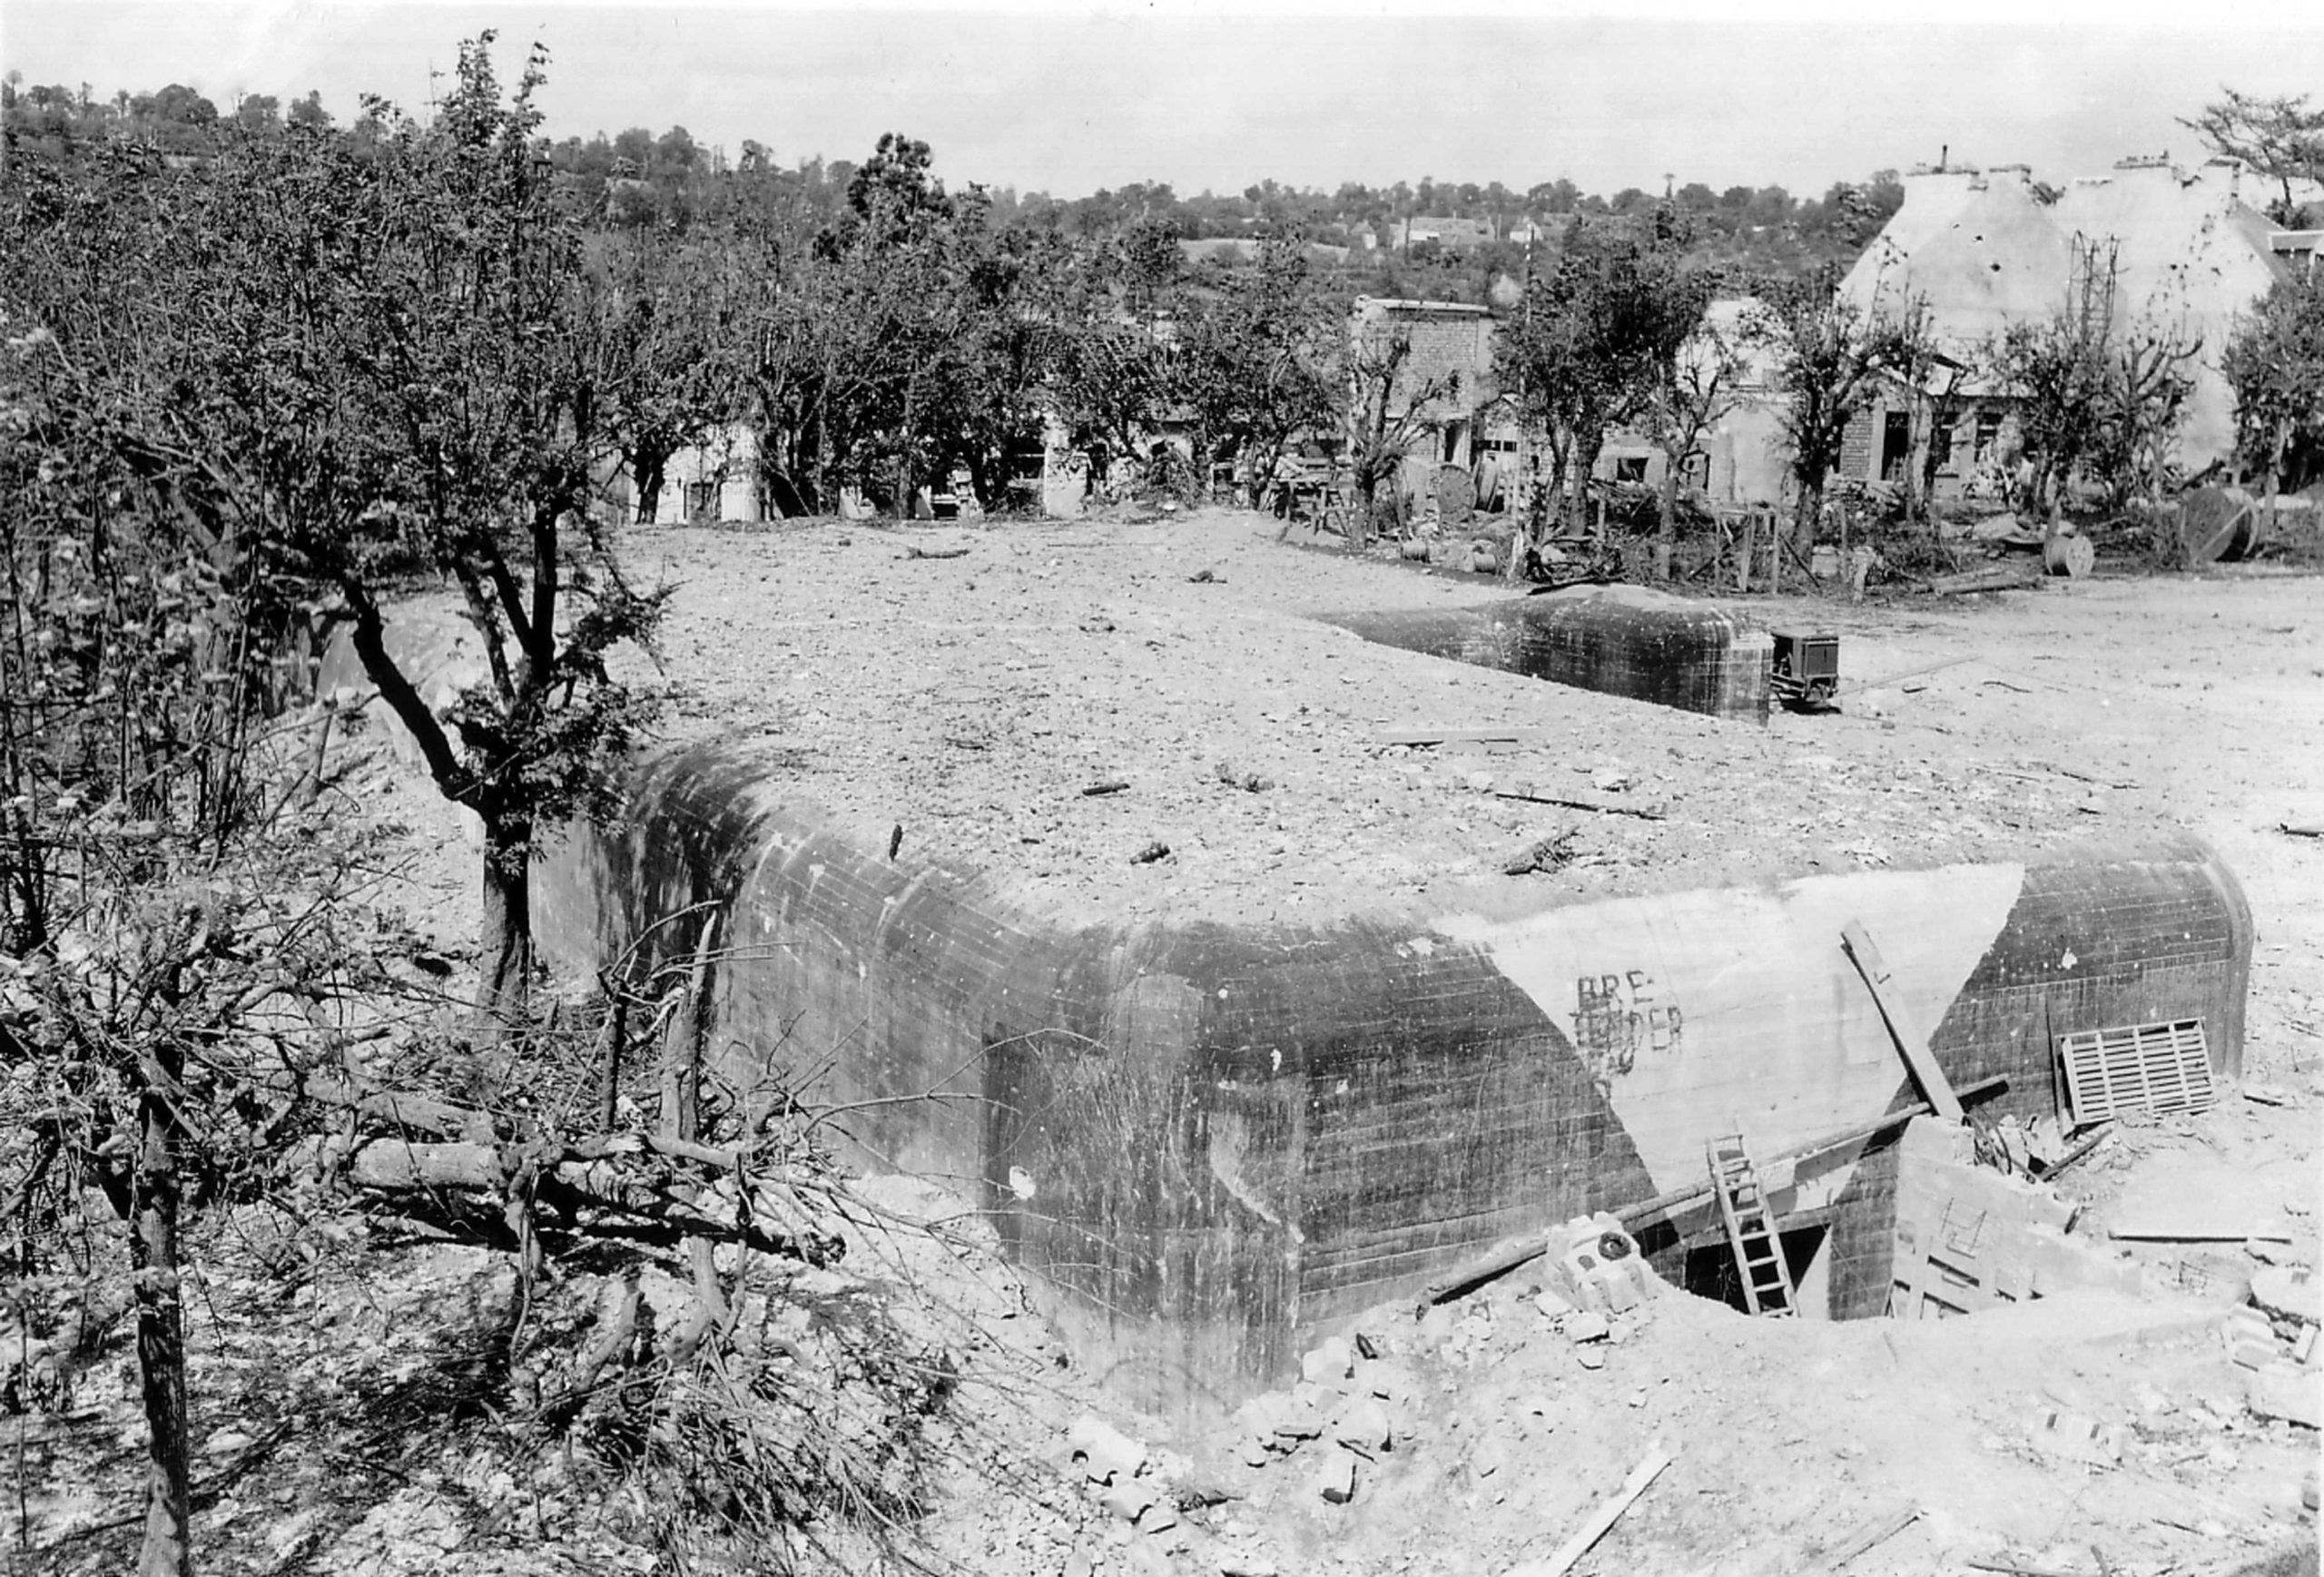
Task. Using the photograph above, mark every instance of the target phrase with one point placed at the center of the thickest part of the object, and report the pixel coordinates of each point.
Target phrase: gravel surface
(972, 700)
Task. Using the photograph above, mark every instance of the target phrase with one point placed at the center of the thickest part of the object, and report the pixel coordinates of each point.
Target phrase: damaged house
(2149, 248)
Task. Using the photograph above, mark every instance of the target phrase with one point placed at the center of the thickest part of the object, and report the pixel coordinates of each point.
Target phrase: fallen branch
(575, 1182)
(1643, 812)
(936, 553)
(1604, 1518)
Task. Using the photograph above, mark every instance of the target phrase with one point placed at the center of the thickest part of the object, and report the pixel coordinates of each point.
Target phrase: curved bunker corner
(1628, 641)
(1227, 1137)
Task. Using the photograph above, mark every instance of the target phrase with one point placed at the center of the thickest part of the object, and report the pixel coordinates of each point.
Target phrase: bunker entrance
(1710, 1271)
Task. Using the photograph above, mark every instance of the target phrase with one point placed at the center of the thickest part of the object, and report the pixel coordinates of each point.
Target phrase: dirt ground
(971, 698)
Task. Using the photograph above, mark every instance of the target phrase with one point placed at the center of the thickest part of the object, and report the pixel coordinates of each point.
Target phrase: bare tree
(1387, 414)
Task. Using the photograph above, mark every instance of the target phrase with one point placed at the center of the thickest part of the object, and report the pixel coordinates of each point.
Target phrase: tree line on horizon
(636, 178)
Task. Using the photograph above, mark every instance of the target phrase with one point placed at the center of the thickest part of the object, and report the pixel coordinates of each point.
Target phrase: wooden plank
(1909, 1039)
(1604, 1518)
(1876, 1531)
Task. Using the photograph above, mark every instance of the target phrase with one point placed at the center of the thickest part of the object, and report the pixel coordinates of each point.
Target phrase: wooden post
(1750, 545)
(1909, 1039)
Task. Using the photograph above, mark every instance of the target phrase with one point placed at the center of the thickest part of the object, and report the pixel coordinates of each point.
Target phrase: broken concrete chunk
(1286, 1416)
(2076, 1437)
(1363, 1427)
(1329, 1363)
(1588, 1326)
(1389, 1382)
(1156, 1517)
(2283, 1390)
(1335, 1479)
(1552, 1306)
(1128, 1500)
(2290, 1294)
(1104, 1454)
(1591, 1357)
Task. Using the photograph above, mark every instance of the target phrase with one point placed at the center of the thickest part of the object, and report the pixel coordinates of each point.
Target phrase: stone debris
(1587, 1326)
(1331, 1363)
(1599, 1265)
(2075, 1437)
(1363, 1427)
(1335, 1477)
(1104, 1455)
(2272, 1340)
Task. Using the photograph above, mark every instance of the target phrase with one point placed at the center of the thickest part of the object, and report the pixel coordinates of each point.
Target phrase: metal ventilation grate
(2155, 1067)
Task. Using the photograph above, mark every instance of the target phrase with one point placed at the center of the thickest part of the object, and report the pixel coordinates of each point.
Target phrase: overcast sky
(1069, 98)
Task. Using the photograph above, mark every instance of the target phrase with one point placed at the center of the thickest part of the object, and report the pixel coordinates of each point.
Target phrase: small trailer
(1806, 672)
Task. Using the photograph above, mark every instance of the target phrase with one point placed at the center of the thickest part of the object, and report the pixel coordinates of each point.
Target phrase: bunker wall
(1209, 1143)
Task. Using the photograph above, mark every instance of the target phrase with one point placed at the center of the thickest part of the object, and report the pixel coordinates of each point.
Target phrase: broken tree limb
(1926, 1073)
(645, 1197)
(1600, 1519)
(1643, 812)
(936, 553)
(1514, 1252)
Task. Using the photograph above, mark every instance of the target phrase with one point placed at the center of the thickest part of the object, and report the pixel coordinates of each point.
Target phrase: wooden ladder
(1759, 1252)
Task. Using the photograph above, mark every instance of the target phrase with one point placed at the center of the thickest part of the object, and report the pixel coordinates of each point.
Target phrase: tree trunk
(1809, 513)
(1585, 463)
(1666, 541)
(650, 469)
(168, 1548)
(504, 990)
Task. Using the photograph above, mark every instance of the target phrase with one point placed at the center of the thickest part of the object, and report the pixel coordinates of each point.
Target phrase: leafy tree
(1693, 392)
(1829, 354)
(2280, 137)
(2150, 375)
(2275, 363)
(362, 357)
(153, 917)
(1591, 343)
(2091, 398)
(663, 325)
(1255, 360)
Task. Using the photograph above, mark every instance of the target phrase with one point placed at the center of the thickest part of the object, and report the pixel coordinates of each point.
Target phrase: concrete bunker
(1211, 1142)
(1619, 640)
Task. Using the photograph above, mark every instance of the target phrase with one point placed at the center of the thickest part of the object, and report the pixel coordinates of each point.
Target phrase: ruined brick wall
(1447, 346)
(1692, 657)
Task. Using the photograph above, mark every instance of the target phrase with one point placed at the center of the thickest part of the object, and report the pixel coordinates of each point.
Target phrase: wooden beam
(1600, 1519)
(1513, 1253)
(1907, 1035)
